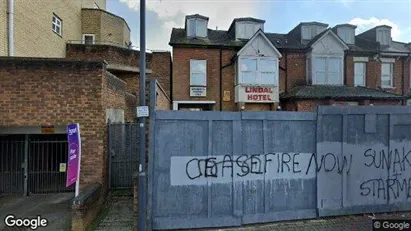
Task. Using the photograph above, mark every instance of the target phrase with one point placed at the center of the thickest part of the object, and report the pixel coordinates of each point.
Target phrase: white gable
(259, 45)
(329, 43)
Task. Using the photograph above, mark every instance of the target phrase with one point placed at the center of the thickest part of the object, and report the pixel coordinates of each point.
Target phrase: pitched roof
(261, 33)
(364, 42)
(397, 47)
(338, 92)
(222, 38)
(320, 35)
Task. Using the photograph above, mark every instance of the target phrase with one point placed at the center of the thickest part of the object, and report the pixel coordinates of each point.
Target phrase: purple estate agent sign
(74, 152)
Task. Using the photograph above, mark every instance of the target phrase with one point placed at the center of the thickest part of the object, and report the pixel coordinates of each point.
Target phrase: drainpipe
(286, 72)
(221, 79)
(221, 76)
(404, 102)
(345, 70)
(11, 28)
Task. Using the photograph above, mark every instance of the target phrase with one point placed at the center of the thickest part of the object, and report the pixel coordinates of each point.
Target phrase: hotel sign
(257, 94)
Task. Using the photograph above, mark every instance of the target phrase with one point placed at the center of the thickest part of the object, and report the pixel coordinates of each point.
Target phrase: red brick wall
(349, 71)
(295, 74)
(296, 70)
(407, 75)
(383, 102)
(114, 92)
(55, 91)
(181, 74)
(229, 80)
(310, 105)
(258, 107)
(109, 53)
(161, 67)
(163, 101)
(373, 76)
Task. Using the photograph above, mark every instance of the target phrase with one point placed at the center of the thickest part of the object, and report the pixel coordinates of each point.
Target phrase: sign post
(74, 156)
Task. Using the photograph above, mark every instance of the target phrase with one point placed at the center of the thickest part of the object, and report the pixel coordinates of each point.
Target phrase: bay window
(359, 74)
(198, 72)
(386, 75)
(256, 70)
(327, 70)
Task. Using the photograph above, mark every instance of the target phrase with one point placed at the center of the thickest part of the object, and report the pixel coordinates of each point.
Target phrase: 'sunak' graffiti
(396, 163)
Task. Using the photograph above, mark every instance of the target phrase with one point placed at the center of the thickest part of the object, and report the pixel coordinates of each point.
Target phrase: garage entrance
(33, 163)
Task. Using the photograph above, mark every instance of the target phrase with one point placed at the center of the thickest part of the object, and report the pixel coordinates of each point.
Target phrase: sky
(280, 15)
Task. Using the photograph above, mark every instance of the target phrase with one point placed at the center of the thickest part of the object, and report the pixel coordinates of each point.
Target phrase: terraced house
(247, 68)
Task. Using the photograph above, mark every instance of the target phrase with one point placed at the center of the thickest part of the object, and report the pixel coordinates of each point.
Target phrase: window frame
(195, 72)
(382, 35)
(391, 65)
(194, 22)
(258, 72)
(364, 74)
(346, 34)
(327, 57)
(83, 41)
(306, 32)
(54, 19)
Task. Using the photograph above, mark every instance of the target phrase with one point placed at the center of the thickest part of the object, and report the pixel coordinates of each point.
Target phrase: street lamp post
(142, 121)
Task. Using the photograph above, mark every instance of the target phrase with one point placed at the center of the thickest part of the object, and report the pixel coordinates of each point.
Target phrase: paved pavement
(350, 223)
(118, 215)
(56, 208)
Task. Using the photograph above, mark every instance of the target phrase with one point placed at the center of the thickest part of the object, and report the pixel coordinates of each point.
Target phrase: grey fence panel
(283, 144)
(366, 143)
(216, 169)
(123, 153)
(183, 195)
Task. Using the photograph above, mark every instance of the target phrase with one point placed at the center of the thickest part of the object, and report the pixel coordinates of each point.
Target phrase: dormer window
(310, 30)
(347, 33)
(384, 36)
(196, 26)
(245, 30)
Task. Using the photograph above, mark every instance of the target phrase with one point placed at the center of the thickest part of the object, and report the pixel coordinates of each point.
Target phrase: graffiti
(394, 159)
(331, 167)
(245, 165)
(392, 187)
(395, 162)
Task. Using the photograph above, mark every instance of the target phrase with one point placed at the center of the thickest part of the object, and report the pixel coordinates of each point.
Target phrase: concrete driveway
(56, 208)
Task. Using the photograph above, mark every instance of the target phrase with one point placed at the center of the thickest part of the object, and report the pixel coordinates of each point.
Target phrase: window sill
(60, 35)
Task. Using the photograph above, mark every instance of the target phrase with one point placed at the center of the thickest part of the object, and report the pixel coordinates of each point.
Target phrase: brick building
(247, 68)
(93, 80)
(42, 28)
